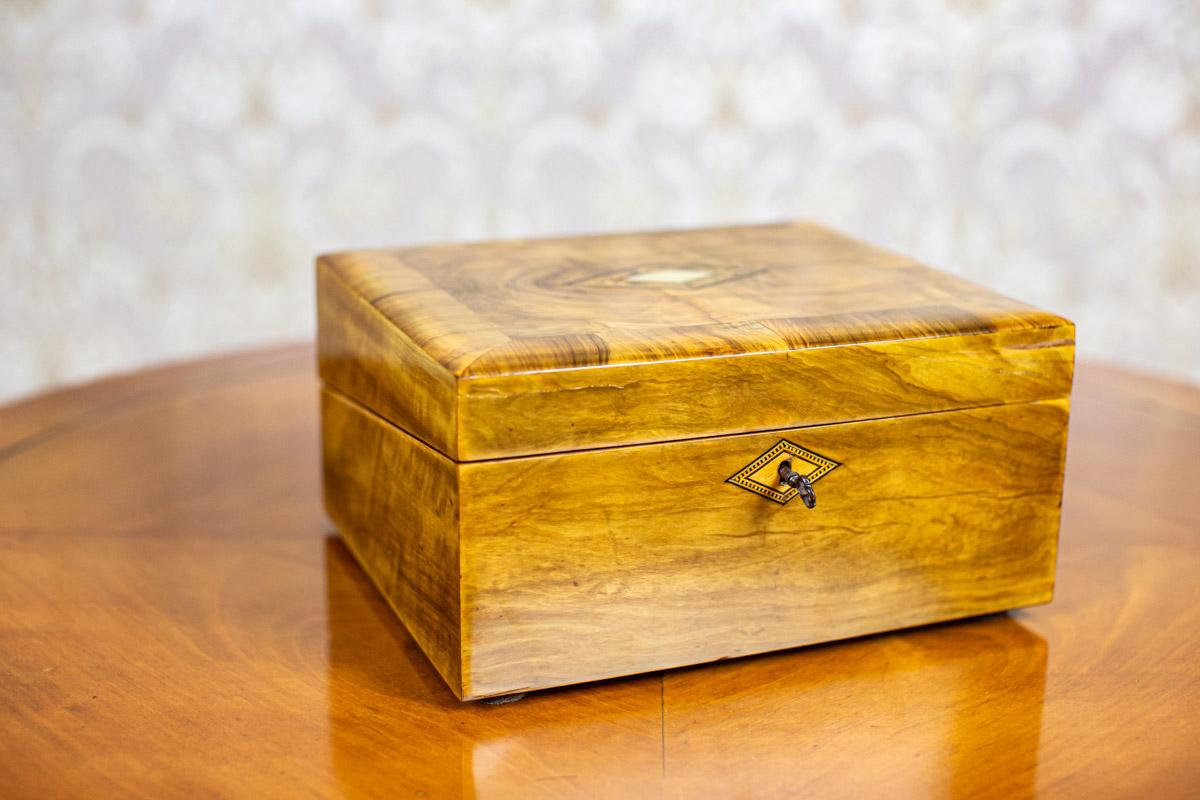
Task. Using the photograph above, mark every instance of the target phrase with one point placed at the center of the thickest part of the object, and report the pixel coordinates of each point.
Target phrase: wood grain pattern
(177, 619)
(397, 504)
(603, 563)
(614, 562)
(372, 361)
(498, 308)
(567, 406)
(549, 346)
(560, 411)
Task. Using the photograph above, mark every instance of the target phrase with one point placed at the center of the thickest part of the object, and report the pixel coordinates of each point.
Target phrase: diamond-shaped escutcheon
(761, 475)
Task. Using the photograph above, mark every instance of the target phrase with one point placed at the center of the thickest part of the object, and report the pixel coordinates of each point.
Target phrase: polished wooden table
(178, 618)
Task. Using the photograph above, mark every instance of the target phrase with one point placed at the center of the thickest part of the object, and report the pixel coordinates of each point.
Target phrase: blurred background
(169, 169)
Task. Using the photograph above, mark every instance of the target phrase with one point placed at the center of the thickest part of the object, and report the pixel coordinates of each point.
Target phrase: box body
(536, 523)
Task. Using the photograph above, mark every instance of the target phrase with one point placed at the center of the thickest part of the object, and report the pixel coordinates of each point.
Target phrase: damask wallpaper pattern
(169, 169)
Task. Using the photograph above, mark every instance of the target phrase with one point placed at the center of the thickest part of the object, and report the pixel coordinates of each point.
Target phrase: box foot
(503, 699)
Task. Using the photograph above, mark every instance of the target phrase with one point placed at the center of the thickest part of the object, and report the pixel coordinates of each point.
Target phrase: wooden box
(565, 460)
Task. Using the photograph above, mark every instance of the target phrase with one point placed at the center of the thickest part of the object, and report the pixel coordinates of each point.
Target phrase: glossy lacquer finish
(530, 573)
(528, 446)
(515, 348)
(177, 618)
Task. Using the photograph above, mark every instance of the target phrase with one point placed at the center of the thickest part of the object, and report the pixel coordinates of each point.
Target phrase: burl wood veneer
(558, 460)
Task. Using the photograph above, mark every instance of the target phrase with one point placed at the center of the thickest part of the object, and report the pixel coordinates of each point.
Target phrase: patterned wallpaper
(169, 169)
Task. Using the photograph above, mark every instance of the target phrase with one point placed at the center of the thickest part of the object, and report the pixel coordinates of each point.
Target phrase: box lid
(514, 348)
